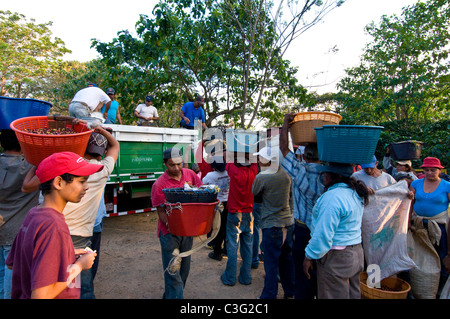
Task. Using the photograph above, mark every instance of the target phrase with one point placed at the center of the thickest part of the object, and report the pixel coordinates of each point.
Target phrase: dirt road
(131, 268)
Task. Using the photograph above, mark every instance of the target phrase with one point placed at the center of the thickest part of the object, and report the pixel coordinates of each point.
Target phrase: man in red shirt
(174, 177)
(42, 256)
(240, 221)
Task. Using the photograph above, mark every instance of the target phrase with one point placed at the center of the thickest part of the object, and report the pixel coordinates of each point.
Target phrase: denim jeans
(239, 231)
(87, 282)
(256, 239)
(174, 284)
(278, 259)
(5, 273)
(78, 110)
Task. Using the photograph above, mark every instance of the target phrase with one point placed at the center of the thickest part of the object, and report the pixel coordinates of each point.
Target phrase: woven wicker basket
(398, 288)
(302, 127)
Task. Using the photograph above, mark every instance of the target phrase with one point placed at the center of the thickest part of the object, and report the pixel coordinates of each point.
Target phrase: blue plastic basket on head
(12, 109)
(353, 144)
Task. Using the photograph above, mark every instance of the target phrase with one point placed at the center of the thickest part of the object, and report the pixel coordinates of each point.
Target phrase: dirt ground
(131, 268)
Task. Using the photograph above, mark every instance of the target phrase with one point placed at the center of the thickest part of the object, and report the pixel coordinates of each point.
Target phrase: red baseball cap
(65, 162)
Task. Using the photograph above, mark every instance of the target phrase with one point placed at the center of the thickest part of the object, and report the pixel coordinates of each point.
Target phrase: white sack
(384, 229)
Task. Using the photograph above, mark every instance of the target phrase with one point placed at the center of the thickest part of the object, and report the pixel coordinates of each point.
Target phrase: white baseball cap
(267, 153)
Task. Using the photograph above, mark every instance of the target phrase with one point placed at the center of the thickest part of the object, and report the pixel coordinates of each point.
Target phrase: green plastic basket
(353, 144)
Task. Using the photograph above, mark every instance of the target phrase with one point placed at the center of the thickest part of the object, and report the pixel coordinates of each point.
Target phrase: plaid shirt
(306, 186)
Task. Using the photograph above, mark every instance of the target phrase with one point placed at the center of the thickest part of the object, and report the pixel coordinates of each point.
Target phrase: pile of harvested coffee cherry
(51, 131)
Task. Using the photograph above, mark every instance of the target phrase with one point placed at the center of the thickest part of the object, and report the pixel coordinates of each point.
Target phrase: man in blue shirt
(191, 112)
(112, 112)
(306, 190)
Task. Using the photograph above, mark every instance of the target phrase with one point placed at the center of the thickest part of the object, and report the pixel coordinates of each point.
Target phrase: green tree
(28, 52)
(404, 70)
(231, 53)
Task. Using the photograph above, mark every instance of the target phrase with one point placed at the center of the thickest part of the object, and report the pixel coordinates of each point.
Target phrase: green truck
(139, 164)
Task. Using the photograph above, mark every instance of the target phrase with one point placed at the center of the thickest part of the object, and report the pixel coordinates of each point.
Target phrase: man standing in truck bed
(174, 177)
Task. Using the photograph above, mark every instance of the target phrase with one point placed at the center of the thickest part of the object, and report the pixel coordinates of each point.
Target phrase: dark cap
(97, 144)
(172, 153)
(149, 98)
(337, 168)
(110, 91)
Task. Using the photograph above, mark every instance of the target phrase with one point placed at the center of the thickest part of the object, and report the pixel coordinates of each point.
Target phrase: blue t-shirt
(112, 112)
(430, 204)
(192, 114)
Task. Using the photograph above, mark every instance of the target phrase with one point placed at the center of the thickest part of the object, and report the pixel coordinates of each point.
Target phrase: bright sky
(77, 22)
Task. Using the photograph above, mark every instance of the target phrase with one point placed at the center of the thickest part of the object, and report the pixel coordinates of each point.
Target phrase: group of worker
(91, 100)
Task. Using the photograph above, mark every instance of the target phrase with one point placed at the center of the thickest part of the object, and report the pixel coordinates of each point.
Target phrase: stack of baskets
(302, 127)
(36, 147)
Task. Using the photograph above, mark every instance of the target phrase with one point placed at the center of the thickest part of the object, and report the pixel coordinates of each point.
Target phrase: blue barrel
(12, 109)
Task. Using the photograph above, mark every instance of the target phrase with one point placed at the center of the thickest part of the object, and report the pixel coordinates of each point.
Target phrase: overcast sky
(77, 22)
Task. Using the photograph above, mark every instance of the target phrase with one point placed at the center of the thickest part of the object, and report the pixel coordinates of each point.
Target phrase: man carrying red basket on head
(174, 177)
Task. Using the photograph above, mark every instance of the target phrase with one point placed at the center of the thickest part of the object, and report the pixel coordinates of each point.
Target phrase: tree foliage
(229, 52)
(28, 53)
(404, 70)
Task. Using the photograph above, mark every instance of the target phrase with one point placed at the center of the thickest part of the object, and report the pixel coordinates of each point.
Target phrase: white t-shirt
(374, 182)
(92, 96)
(220, 179)
(147, 111)
(80, 217)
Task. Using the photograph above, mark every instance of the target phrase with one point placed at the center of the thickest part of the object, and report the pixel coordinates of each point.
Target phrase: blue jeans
(87, 282)
(78, 110)
(174, 284)
(239, 231)
(278, 256)
(256, 241)
(5, 273)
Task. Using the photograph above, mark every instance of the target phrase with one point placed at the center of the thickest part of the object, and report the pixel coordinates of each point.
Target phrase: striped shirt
(306, 186)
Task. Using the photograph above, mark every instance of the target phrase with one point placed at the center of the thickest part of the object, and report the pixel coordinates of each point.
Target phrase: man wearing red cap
(42, 256)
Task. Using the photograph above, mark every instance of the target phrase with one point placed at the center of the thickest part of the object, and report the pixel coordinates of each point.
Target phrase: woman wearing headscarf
(335, 243)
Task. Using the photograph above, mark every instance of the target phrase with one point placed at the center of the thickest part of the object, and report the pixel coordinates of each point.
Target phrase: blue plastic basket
(12, 109)
(353, 144)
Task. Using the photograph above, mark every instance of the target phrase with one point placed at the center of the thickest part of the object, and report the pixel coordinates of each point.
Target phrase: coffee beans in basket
(51, 131)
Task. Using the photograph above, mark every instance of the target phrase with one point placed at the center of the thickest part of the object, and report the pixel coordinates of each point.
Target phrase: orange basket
(302, 127)
(190, 219)
(36, 147)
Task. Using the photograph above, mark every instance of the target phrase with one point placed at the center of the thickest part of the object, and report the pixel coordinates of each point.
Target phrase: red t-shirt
(41, 254)
(240, 196)
(165, 181)
(203, 165)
